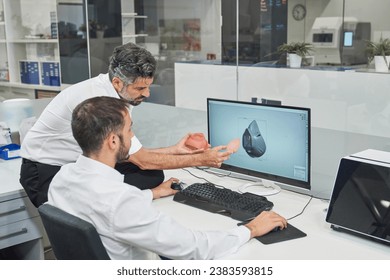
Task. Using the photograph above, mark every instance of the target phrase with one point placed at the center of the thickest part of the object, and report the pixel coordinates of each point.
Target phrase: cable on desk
(203, 178)
(303, 210)
(230, 175)
(206, 169)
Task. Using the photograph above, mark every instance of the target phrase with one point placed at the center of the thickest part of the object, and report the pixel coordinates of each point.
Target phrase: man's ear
(113, 141)
(117, 84)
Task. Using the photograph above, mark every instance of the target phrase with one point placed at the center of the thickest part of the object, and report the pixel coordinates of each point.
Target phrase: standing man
(50, 143)
(129, 226)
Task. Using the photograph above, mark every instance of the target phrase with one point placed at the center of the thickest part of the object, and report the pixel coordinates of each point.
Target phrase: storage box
(50, 73)
(29, 72)
(10, 151)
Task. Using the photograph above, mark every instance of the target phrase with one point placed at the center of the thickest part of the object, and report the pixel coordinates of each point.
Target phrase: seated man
(129, 225)
(50, 144)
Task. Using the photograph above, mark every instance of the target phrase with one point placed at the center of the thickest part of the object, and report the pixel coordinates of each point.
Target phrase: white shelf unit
(129, 16)
(22, 22)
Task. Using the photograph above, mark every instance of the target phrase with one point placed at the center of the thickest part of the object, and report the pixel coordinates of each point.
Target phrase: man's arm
(149, 159)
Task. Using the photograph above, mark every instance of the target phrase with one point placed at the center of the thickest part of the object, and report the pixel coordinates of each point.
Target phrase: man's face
(125, 140)
(136, 92)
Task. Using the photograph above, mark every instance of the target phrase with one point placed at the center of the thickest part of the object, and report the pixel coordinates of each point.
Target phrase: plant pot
(381, 65)
(295, 60)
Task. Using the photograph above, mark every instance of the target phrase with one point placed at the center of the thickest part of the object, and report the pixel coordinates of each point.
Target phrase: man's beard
(137, 101)
(123, 153)
(133, 102)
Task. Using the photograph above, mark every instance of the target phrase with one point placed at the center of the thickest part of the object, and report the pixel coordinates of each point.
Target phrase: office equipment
(283, 155)
(360, 201)
(176, 186)
(207, 196)
(271, 101)
(71, 238)
(340, 41)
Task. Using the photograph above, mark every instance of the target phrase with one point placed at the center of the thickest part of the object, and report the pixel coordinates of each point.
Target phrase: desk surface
(9, 174)
(321, 242)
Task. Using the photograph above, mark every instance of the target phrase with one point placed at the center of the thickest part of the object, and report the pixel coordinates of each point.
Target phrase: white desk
(321, 242)
(20, 224)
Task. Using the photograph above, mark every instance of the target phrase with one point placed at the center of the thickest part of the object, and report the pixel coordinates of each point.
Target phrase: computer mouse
(276, 229)
(176, 186)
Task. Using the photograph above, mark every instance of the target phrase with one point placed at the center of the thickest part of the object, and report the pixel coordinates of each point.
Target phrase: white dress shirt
(129, 225)
(50, 140)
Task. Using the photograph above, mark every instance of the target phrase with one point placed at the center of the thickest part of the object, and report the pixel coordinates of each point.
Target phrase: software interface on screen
(348, 38)
(274, 140)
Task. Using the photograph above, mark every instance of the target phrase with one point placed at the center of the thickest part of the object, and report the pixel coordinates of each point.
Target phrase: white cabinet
(21, 228)
(29, 50)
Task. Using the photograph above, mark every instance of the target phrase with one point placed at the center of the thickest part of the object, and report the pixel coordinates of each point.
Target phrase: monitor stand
(263, 187)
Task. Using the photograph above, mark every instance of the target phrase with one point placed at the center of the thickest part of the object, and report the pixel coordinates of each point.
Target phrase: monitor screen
(274, 140)
(348, 38)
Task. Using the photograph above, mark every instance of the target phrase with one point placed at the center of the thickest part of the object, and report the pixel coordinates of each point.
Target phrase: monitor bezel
(262, 175)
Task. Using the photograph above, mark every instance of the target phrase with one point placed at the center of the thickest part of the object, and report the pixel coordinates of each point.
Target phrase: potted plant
(296, 51)
(380, 53)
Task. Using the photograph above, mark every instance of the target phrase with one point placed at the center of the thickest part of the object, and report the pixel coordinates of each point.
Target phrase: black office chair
(71, 238)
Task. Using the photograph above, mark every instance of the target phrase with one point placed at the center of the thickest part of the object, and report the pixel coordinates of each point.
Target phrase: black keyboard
(238, 206)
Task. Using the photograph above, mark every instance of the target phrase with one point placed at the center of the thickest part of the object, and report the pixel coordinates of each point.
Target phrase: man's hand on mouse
(266, 222)
(164, 189)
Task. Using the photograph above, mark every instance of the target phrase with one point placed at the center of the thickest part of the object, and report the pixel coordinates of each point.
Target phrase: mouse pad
(288, 233)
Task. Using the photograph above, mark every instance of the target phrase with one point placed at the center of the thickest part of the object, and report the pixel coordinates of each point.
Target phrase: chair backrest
(71, 238)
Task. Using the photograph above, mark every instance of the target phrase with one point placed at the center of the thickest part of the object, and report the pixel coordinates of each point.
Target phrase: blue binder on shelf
(51, 74)
(29, 72)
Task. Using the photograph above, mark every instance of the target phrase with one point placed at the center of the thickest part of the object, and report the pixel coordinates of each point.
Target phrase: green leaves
(381, 48)
(300, 48)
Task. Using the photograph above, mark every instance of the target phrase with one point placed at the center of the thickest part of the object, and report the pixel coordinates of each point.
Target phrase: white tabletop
(321, 242)
(9, 177)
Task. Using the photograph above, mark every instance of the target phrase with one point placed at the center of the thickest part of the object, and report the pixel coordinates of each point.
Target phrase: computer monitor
(274, 141)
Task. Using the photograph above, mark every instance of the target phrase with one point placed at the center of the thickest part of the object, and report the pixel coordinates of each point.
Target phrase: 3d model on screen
(252, 141)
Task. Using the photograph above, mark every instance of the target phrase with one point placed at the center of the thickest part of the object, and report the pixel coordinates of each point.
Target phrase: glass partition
(249, 33)
(178, 32)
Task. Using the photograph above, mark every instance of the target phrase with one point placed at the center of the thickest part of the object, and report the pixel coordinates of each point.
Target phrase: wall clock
(299, 12)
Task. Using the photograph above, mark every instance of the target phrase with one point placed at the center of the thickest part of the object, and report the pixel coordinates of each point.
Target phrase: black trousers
(36, 177)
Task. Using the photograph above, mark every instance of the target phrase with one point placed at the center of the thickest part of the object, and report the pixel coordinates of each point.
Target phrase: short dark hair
(94, 119)
(130, 62)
